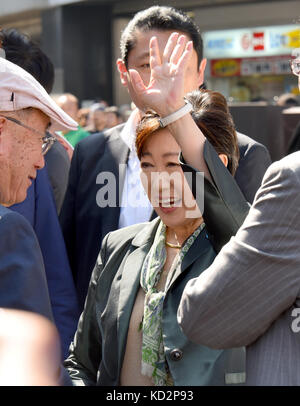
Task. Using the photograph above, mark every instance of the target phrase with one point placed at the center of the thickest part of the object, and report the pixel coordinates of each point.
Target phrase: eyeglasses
(48, 139)
(295, 66)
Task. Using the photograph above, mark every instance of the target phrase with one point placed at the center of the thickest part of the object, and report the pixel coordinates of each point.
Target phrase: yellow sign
(226, 67)
(293, 39)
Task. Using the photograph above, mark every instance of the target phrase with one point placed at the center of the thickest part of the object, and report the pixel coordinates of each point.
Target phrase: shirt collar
(128, 133)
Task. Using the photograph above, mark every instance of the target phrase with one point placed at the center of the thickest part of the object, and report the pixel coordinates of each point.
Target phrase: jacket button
(176, 354)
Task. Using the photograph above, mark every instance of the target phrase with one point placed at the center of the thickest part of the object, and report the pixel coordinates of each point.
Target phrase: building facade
(248, 44)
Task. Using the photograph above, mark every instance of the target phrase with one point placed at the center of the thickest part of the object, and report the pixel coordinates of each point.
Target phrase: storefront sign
(225, 67)
(265, 66)
(251, 42)
(250, 66)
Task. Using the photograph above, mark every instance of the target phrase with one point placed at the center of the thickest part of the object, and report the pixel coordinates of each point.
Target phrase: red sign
(258, 41)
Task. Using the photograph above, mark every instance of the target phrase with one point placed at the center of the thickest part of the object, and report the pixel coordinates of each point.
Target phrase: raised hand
(165, 91)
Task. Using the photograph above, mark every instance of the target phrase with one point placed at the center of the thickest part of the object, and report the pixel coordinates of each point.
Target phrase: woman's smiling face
(164, 180)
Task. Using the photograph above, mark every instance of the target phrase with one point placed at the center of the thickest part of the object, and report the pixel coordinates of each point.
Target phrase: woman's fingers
(154, 53)
(178, 50)
(185, 57)
(136, 81)
(172, 41)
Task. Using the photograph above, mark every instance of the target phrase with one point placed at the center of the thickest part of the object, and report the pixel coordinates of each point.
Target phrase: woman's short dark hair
(160, 18)
(212, 116)
(22, 51)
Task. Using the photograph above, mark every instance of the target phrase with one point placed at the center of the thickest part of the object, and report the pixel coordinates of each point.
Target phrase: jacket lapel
(130, 281)
(200, 246)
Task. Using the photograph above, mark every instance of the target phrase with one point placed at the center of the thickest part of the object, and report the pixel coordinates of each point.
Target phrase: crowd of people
(148, 245)
(96, 118)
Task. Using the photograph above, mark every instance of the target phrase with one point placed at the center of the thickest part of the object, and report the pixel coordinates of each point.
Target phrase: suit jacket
(253, 163)
(85, 224)
(23, 281)
(58, 166)
(39, 209)
(98, 349)
(250, 294)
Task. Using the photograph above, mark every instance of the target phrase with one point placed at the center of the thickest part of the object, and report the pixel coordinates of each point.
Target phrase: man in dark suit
(84, 218)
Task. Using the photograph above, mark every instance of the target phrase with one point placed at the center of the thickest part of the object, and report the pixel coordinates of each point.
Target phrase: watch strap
(187, 108)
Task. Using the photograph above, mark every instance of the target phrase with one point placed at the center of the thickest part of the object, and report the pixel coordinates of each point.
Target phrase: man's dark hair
(22, 51)
(160, 18)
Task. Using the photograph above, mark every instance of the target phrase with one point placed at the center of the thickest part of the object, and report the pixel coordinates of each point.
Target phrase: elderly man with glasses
(26, 111)
(250, 295)
(25, 141)
(48, 139)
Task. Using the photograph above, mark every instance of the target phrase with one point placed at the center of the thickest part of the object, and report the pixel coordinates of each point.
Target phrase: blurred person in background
(39, 206)
(69, 103)
(125, 110)
(287, 100)
(113, 117)
(96, 119)
(83, 115)
(86, 217)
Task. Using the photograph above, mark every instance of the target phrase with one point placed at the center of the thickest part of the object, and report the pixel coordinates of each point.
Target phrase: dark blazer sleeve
(23, 282)
(255, 277)
(224, 206)
(253, 163)
(85, 351)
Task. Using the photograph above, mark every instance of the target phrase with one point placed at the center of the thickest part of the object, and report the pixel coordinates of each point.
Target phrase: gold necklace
(169, 244)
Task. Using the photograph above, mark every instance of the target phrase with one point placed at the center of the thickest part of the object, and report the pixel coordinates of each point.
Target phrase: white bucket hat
(20, 90)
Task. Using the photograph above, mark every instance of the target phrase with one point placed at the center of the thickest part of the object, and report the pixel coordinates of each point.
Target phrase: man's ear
(123, 72)
(224, 159)
(201, 71)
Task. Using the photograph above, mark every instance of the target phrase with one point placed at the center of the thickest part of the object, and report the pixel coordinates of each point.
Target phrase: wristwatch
(187, 108)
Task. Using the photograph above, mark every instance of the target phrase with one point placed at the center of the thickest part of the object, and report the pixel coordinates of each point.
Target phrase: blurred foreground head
(29, 350)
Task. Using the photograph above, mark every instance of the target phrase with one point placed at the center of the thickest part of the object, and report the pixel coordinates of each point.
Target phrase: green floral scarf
(153, 356)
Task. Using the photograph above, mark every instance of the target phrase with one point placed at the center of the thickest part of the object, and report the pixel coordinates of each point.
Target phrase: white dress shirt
(135, 206)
